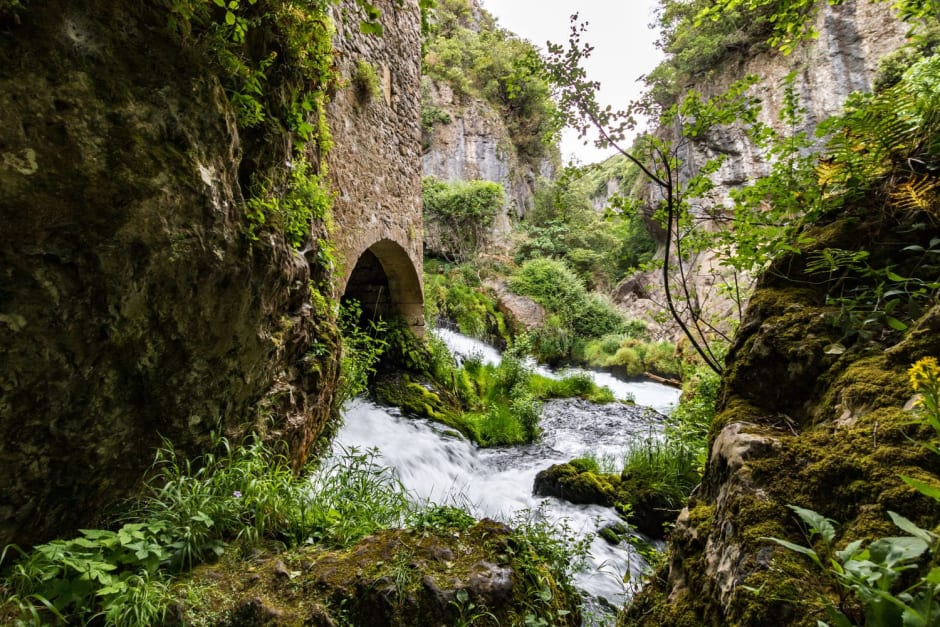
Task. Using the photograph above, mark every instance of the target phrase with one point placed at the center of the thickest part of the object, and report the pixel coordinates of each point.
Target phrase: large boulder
(133, 307)
(396, 577)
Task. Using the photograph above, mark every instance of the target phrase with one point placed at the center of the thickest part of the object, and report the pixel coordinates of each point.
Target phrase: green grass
(667, 467)
(503, 403)
(191, 512)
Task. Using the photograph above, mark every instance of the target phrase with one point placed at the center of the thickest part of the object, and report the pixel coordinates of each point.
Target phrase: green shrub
(463, 212)
(629, 359)
(306, 199)
(455, 294)
(527, 410)
(363, 346)
(575, 314)
(634, 355)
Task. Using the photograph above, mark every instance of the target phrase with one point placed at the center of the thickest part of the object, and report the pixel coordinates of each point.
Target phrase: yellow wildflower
(925, 374)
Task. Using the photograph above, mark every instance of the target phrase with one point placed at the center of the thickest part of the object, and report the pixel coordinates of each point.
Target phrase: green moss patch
(394, 577)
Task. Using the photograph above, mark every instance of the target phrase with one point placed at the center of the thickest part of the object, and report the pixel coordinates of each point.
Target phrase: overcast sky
(619, 32)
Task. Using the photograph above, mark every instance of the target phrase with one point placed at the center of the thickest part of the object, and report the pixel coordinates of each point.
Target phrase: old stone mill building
(132, 306)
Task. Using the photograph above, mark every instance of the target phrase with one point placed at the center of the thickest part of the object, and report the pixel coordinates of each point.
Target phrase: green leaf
(892, 550)
(797, 548)
(816, 522)
(229, 18)
(849, 551)
(895, 324)
(219, 3)
(924, 488)
(933, 576)
(906, 525)
(895, 277)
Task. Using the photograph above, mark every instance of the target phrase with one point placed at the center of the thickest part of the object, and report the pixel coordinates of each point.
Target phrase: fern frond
(917, 194)
(831, 259)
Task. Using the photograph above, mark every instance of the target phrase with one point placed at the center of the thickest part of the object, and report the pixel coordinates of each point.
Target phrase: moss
(636, 499)
(395, 577)
(823, 431)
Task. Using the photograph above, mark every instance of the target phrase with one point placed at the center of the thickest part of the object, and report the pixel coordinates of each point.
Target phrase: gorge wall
(475, 145)
(140, 299)
(467, 132)
(844, 58)
(815, 408)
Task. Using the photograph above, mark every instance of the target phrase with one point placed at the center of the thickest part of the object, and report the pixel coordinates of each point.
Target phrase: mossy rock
(798, 424)
(635, 500)
(421, 397)
(395, 577)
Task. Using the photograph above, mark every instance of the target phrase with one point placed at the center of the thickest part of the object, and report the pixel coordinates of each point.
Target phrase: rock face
(853, 37)
(133, 307)
(801, 424)
(475, 145)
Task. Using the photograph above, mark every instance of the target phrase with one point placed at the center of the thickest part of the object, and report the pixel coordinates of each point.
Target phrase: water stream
(435, 464)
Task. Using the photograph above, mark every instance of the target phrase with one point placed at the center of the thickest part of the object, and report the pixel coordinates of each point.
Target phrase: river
(434, 464)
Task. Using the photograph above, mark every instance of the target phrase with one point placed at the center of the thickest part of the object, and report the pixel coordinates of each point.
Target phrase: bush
(575, 313)
(460, 214)
(634, 355)
(455, 294)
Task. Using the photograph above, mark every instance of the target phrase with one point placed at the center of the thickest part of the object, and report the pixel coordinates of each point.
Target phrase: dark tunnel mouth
(385, 283)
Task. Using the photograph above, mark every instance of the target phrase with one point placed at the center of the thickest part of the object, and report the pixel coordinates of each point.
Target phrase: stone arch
(385, 282)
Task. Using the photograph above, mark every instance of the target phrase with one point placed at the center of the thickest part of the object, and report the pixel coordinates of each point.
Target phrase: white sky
(618, 30)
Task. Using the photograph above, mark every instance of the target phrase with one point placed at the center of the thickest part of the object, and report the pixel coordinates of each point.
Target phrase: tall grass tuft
(191, 511)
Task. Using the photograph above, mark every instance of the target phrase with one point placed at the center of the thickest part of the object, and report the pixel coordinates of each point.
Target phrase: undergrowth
(502, 403)
(191, 512)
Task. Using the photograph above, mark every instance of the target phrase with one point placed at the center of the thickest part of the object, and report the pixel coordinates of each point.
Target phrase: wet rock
(642, 506)
(133, 307)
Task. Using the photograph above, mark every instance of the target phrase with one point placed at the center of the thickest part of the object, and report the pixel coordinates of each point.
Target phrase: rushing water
(437, 465)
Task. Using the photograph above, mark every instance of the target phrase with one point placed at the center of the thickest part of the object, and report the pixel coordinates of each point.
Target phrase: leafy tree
(766, 216)
(463, 212)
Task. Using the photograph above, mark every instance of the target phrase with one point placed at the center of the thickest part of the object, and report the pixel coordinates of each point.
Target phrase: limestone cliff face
(853, 37)
(475, 145)
(133, 306)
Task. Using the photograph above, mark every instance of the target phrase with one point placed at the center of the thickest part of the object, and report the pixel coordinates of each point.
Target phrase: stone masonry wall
(375, 165)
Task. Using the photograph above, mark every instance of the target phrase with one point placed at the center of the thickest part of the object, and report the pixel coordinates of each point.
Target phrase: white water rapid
(435, 464)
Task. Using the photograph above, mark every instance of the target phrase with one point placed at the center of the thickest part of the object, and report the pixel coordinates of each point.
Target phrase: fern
(916, 194)
(831, 259)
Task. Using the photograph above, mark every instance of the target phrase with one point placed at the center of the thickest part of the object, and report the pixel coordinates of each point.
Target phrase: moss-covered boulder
(636, 500)
(813, 413)
(395, 577)
(134, 304)
(419, 395)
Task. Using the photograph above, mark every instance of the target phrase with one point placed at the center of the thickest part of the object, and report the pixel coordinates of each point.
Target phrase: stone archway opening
(385, 283)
